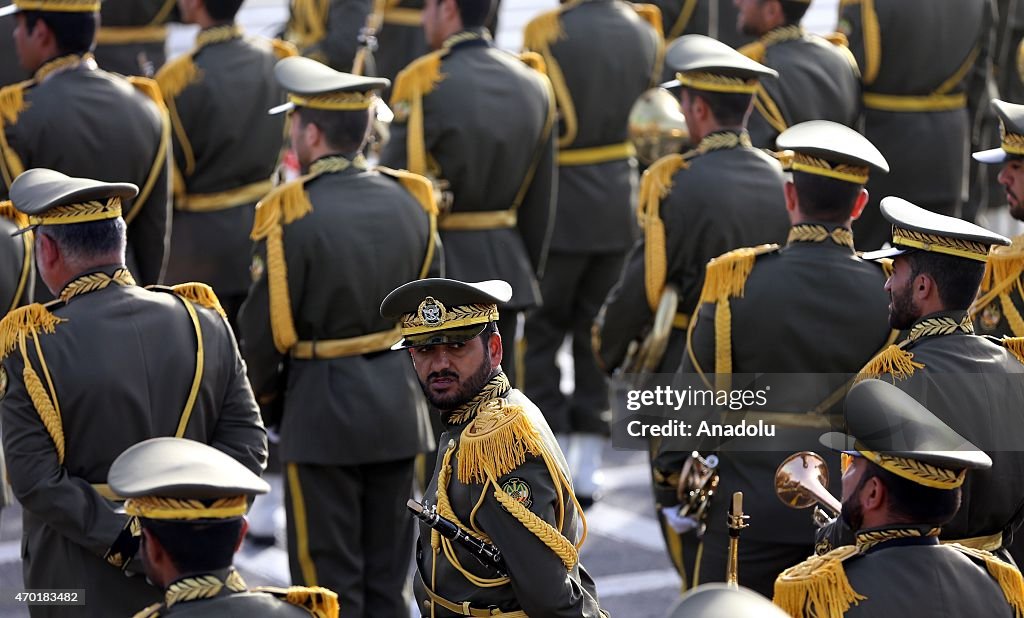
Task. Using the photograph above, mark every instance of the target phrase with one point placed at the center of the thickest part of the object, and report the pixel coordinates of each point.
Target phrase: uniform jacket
(133, 35)
(328, 30)
(17, 267)
(997, 310)
(400, 39)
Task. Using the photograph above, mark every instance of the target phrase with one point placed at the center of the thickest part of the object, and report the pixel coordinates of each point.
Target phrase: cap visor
(996, 155)
(884, 253)
(669, 85)
(9, 10)
(838, 441)
(441, 337)
(284, 107)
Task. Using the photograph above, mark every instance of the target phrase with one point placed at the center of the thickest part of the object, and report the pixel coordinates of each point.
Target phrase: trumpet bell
(657, 126)
(801, 481)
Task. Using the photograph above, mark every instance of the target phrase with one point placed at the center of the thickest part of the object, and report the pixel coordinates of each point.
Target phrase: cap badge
(431, 312)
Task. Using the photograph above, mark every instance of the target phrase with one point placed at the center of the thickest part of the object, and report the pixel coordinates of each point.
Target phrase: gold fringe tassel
(1015, 346)
(651, 14)
(12, 102)
(543, 30)
(654, 187)
(283, 49)
(1009, 580)
(725, 278)
(319, 601)
(544, 531)
(415, 82)
(176, 75)
(535, 61)
(283, 206)
(893, 360)
(29, 319)
(200, 294)
(1003, 276)
(817, 587)
(500, 448)
(8, 211)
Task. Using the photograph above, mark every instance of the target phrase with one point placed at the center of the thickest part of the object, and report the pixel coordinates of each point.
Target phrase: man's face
(298, 135)
(1012, 179)
(749, 19)
(432, 30)
(903, 311)
(26, 44)
(452, 374)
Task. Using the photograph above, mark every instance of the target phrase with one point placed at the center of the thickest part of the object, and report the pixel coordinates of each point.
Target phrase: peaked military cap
(51, 198)
(54, 6)
(724, 601)
(317, 86)
(917, 229)
(442, 311)
(826, 148)
(180, 479)
(892, 429)
(1011, 133)
(702, 63)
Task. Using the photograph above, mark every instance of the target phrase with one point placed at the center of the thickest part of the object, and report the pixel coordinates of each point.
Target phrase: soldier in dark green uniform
(818, 77)
(831, 306)
(997, 310)
(726, 24)
(903, 476)
(106, 365)
(491, 153)
(597, 182)
(17, 275)
(400, 39)
(226, 147)
(86, 122)
(330, 245)
(133, 35)
(499, 473)
(328, 30)
(915, 101)
(190, 501)
(720, 196)
(973, 383)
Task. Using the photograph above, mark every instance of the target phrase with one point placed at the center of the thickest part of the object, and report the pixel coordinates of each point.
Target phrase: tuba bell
(801, 481)
(656, 126)
(644, 356)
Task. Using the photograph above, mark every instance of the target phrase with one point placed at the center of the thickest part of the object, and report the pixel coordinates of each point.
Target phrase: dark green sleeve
(536, 216)
(344, 21)
(625, 312)
(149, 233)
(266, 366)
(394, 153)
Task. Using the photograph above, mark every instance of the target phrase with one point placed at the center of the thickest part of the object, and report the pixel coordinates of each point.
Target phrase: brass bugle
(801, 481)
(737, 522)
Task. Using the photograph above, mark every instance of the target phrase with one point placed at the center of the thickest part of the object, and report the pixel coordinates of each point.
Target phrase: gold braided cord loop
(335, 101)
(95, 281)
(818, 586)
(308, 23)
(800, 162)
(917, 471)
(59, 6)
(318, 601)
(44, 406)
(808, 232)
(713, 82)
(79, 213)
(872, 32)
(655, 186)
(940, 244)
(563, 547)
(155, 507)
(868, 539)
(940, 326)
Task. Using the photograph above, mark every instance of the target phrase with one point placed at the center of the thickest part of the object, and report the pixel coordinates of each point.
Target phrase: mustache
(444, 373)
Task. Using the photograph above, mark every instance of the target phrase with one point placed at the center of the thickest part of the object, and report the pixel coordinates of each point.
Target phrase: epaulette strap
(651, 14)
(894, 360)
(535, 61)
(26, 320)
(1015, 346)
(200, 294)
(412, 84)
(496, 442)
(755, 51)
(818, 586)
(543, 30)
(318, 601)
(283, 49)
(176, 75)
(654, 187)
(1006, 575)
(150, 612)
(418, 186)
(282, 206)
(8, 211)
(148, 87)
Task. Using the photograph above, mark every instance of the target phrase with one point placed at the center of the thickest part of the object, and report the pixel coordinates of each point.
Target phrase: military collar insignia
(218, 34)
(201, 587)
(61, 64)
(337, 163)
(867, 539)
(95, 281)
(782, 34)
(814, 233)
(942, 325)
(497, 387)
(431, 312)
(724, 140)
(519, 490)
(478, 34)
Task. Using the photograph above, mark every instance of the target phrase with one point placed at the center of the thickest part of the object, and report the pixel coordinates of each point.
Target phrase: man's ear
(791, 197)
(47, 250)
(450, 10)
(241, 533)
(873, 494)
(494, 346)
(924, 287)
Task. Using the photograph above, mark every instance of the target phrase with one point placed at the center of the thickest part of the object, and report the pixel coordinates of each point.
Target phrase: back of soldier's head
(793, 10)
(824, 199)
(197, 547)
(74, 32)
(223, 10)
(475, 13)
(957, 279)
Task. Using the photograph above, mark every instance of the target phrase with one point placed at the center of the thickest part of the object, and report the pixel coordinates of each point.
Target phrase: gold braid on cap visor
(1012, 143)
(79, 213)
(958, 247)
(917, 471)
(59, 6)
(442, 318)
(717, 83)
(336, 102)
(800, 162)
(154, 507)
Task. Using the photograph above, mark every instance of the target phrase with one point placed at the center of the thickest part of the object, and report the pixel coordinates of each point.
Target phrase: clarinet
(486, 553)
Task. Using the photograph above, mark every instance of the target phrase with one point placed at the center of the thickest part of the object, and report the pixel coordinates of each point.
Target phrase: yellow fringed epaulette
(755, 51)
(25, 320)
(284, 49)
(496, 442)
(543, 30)
(651, 14)
(283, 205)
(1003, 264)
(818, 586)
(1006, 575)
(726, 275)
(200, 294)
(654, 186)
(535, 61)
(176, 75)
(1015, 346)
(419, 78)
(12, 101)
(8, 211)
(894, 360)
(418, 186)
(150, 612)
(318, 601)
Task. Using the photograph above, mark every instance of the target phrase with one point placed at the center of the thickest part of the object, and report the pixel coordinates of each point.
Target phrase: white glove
(680, 524)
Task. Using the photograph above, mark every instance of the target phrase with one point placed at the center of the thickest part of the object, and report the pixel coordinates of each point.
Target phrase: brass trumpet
(644, 356)
(698, 483)
(801, 481)
(657, 126)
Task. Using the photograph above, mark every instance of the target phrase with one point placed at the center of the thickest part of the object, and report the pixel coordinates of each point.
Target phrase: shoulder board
(176, 75)
(284, 49)
(818, 586)
(283, 205)
(150, 612)
(419, 78)
(197, 293)
(651, 14)
(319, 602)
(535, 61)
(837, 38)
(755, 51)
(727, 274)
(418, 186)
(1015, 346)
(27, 320)
(496, 442)
(894, 360)
(148, 87)
(1006, 575)
(12, 101)
(544, 29)
(8, 211)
